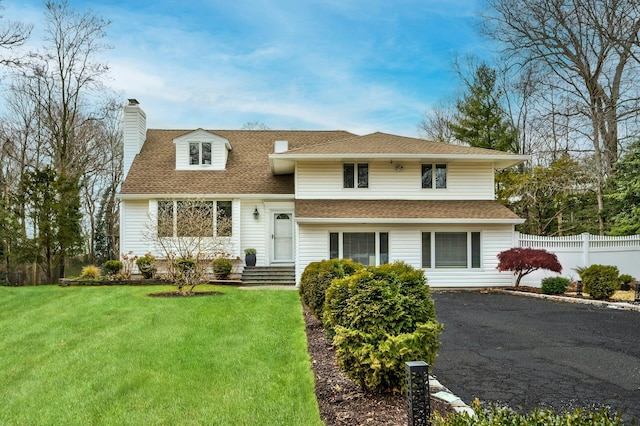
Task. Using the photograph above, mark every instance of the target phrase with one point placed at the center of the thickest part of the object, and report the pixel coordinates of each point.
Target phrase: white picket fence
(584, 250)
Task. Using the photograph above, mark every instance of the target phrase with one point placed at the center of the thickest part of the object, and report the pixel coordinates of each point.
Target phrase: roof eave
(517, 221)
(507, 159)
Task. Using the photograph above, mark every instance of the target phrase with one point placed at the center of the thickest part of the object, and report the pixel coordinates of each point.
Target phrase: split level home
(302, 196)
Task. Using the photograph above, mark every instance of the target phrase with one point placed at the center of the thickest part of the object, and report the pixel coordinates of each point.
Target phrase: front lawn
(113, 355)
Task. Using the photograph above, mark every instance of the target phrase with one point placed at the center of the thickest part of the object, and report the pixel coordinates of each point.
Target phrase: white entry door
(282, 237)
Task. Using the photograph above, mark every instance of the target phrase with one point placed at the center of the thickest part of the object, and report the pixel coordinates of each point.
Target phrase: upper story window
(199, 153)
(355, 174)
(434, 173)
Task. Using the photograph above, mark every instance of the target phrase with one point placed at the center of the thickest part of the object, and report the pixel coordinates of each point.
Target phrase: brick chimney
(135, 132)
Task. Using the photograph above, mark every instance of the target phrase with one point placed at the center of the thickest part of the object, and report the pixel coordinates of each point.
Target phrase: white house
(302, 196)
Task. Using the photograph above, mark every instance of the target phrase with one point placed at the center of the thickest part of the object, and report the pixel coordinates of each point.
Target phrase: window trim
(201, 160)
(354, 182)
(474, 258)
(434, 175)
(379, 254)
(175, 216)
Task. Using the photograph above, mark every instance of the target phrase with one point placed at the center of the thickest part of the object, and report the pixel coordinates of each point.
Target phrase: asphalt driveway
(525, 352)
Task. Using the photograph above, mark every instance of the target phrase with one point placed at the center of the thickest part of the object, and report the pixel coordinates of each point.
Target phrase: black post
(418, 403)
(636, 299)
(579, 288)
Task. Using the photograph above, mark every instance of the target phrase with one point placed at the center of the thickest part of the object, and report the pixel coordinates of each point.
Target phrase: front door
(282, 237)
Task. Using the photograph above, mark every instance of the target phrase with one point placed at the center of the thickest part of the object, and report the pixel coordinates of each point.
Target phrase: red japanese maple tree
(523, 261)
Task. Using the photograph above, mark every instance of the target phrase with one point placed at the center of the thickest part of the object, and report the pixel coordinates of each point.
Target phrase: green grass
(113, 355)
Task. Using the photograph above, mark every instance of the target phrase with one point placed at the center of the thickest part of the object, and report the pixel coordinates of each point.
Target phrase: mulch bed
(340, 400)
(178, 294)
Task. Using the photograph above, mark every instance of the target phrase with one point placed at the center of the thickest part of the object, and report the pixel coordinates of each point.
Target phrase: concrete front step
(269, 275)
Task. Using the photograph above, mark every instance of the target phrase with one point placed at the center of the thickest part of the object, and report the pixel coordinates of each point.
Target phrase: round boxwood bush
(600, 281)
(112, 267)
(317, 277)
(222, 267)
(379, 318)
(555, 285)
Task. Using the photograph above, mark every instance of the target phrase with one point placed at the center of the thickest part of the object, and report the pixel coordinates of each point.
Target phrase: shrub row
(499, 416)
(317, 277)
(377, 317)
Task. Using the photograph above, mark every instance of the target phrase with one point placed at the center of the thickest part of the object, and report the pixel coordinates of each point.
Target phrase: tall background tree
(61, 161)
(479, 120)
(587, 55)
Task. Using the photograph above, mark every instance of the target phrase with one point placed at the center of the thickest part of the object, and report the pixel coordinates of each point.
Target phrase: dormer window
(199, 153)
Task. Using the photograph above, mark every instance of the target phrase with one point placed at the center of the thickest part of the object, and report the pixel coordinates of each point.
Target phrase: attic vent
(280, 146)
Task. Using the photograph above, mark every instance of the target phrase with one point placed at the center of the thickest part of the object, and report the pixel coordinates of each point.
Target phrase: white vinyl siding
(134, 228)
(405, 242)
(325, 180)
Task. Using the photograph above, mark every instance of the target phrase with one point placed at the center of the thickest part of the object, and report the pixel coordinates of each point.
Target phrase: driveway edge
(626, 306)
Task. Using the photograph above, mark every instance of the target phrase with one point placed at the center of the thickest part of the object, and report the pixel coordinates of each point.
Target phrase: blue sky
(361, 66)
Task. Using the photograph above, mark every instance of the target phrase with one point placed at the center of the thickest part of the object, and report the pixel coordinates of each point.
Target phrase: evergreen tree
(480, 120)
(624, 194)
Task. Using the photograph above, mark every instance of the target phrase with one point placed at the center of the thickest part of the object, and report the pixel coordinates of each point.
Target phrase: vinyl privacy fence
(584, 250)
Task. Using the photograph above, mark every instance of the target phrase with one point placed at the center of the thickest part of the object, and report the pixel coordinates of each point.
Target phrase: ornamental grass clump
(379, 318)
(90, 272)
(318, 276)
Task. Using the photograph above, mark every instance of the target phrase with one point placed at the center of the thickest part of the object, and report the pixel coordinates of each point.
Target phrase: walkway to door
(524, 352)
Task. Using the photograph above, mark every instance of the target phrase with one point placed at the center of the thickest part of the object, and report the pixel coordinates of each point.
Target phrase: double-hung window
(451, 250)
(367, 248)
(199, 153)
(355, 174)
(434, 173)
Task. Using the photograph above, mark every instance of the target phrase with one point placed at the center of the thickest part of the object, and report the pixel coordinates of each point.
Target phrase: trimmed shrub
(317, 277)
(90, 271)
(625, 281)
(600, 281)
(112, 267)
(499, 416)
(147, 265)
(555, 285)
(221, 267)
(379, 318)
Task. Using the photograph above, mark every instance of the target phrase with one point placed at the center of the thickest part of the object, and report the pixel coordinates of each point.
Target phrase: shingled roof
(427, 210)
(153, 170)
(387, 144)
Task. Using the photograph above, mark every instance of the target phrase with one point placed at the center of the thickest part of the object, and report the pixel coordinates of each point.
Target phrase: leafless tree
(590, 51)
(188, 235)
(434, 125)
(255, 125)
(12, 35)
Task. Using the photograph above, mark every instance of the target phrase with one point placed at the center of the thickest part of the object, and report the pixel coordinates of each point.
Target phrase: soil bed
(340, 400)
(177, 294)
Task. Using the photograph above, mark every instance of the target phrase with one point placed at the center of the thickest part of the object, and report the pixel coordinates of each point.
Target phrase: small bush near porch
(113, 355)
